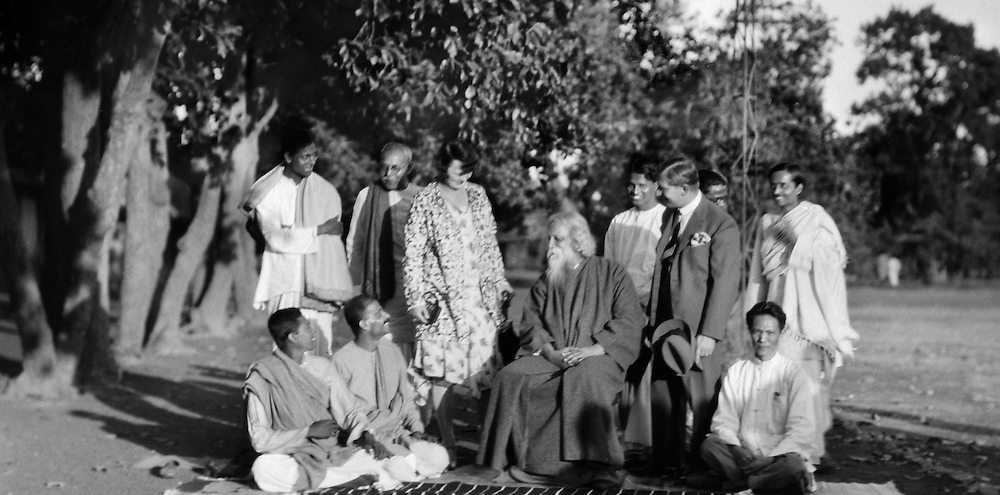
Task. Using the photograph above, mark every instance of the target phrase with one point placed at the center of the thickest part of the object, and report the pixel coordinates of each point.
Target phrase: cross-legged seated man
(552, 411)
(297, 408)
(763, 432)
(375, 371)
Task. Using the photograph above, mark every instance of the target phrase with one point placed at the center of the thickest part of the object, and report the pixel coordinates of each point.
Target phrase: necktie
(668, 251)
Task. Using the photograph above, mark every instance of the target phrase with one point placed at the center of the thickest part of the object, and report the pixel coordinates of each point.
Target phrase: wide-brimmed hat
(672, 341)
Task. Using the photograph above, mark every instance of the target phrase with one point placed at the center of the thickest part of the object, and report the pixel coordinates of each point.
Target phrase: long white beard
(558, 269)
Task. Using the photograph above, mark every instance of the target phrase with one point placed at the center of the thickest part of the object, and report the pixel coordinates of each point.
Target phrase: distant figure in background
(798, 262)
(376, 241)
(297, 407)
(715, 187)
(882, 267)
(304, 263)
(764, 428)
(631, 241)
(892, 268)
(375, 372)
(455, 284)
(551, 414)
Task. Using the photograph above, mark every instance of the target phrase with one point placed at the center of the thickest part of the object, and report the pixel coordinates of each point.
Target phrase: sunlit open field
(926, 354)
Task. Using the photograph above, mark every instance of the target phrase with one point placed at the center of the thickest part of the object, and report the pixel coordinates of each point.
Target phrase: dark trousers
(670, 397)
(785, 475)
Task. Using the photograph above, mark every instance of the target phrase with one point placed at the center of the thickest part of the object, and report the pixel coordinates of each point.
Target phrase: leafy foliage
(933, 137)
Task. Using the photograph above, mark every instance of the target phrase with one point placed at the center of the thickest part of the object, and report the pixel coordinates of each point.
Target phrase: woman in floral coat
(455, 286)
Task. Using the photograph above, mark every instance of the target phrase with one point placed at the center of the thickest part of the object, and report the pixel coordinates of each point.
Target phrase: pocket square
(700, 238)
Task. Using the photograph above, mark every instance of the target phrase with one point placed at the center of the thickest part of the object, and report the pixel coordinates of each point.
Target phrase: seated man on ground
(551, 416)
(297, 410)
(375, 371)
(763, 430)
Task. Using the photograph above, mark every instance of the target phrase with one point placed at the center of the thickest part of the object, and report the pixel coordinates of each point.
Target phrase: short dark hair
(283, 322)
(679, 172)
(296, 138)
(646, 167)
(355, 309)
(710, 178)
(766, 308)
(793, 170)
(457, 150)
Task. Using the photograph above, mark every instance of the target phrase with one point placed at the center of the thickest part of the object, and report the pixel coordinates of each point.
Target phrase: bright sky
(842, 87)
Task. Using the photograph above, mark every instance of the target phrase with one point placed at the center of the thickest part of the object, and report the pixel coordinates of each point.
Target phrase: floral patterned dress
(453, 260)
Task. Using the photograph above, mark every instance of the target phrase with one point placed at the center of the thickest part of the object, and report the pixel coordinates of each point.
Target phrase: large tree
(932, 132)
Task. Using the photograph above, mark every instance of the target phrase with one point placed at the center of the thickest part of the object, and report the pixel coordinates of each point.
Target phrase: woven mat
(207, 486)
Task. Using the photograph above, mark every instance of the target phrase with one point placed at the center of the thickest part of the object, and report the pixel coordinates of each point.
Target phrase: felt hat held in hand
(672, 340)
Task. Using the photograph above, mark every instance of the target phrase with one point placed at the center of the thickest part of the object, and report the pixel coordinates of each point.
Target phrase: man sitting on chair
(763, 430)
(551, 414)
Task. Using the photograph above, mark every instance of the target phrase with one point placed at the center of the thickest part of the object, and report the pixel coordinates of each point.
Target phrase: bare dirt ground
(918, 406)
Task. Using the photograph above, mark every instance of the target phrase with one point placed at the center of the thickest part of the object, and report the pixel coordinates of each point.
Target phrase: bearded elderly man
(580, 332)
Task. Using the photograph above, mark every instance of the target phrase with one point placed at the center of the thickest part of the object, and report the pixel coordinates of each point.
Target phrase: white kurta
(631, 241)
(767, 407)
(282, 266)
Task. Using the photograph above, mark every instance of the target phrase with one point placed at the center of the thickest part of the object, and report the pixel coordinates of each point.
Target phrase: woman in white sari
(798, 262)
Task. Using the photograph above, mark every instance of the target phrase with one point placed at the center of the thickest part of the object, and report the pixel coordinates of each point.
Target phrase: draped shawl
(295, 399)
(806, 278)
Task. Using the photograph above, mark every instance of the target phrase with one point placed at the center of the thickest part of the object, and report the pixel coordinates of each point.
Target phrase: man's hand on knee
(575, 355)
(324, 428)
(372, 446)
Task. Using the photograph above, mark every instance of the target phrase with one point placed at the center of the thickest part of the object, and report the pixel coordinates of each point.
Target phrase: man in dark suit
(696, 279)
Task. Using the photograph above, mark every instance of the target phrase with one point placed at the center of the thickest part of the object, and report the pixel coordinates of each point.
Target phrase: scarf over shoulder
(806, 278)
(295, 399)
(327, 277)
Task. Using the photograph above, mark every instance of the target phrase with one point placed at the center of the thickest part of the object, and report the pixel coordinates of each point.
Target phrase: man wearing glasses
(375, 241)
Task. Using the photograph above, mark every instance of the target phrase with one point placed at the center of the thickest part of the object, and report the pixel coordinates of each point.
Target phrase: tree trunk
(37, 345)
(81, 105)
(146, 229)
(165, 338)
(85, 323)
(234, 276)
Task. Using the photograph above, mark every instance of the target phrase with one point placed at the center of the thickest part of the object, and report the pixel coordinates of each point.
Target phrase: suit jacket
(703, 272)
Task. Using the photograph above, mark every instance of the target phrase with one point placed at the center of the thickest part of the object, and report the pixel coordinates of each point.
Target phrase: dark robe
(543, 418)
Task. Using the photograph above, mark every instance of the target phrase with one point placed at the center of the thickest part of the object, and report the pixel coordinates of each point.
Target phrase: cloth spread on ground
(365, 486)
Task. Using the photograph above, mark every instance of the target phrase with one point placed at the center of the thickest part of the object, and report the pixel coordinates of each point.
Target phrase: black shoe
(704, 480)
(827, 465)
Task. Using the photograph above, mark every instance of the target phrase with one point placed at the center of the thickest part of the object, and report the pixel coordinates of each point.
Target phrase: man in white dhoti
(304, 263)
